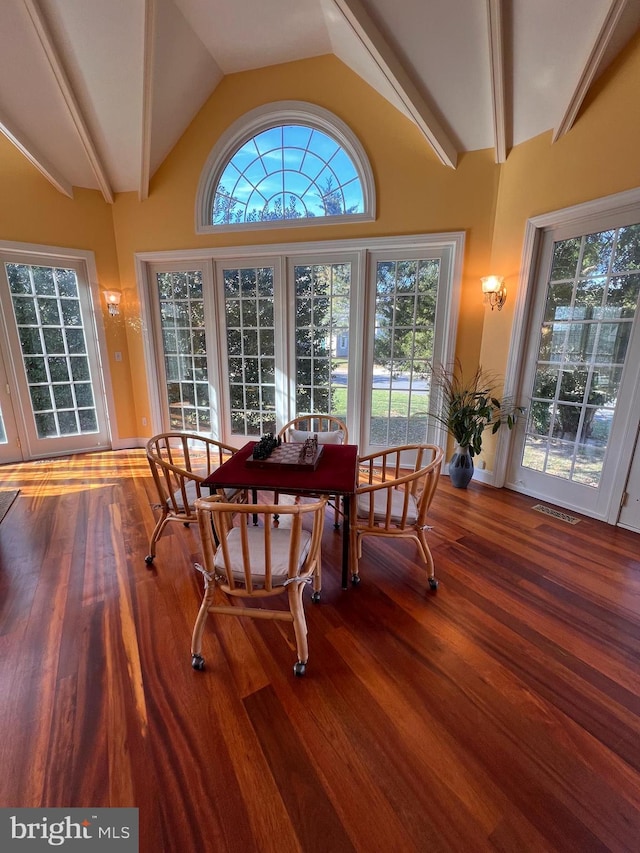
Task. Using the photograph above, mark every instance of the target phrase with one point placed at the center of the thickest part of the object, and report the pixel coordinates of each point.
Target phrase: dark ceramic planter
(461, 468)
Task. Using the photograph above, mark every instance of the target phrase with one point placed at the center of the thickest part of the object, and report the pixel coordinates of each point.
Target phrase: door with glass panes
(251, 342)
(404, 301)
(52, 369)
(323, 307)
(285, 344)
(581, 368)
(253, 383)
(182, 299)
(10, 444)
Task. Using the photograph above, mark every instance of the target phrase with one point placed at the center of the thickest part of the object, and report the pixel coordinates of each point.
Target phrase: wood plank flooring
(500, 713)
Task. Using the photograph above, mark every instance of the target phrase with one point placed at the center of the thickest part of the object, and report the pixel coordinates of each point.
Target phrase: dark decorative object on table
(265, 447)
(309, 449)
(466, 407)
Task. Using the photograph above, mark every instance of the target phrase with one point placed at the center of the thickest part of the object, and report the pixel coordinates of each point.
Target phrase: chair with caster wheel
(179, 462)
(258, 563)
(328, 429)
(393, 499)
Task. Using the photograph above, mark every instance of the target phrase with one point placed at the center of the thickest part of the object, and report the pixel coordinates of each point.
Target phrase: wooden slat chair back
(393, 499)
(328, 428)
(258, 562)
(179, 462)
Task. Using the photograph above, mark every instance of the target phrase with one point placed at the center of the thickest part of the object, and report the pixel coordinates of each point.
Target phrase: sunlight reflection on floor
(73, 474)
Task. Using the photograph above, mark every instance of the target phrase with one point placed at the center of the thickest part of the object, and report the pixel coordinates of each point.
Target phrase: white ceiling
(96, 92)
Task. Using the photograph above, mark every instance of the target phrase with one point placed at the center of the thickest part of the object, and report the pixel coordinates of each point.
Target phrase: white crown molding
(368, 34)
(590, 68)
(70, 100)
(618, 203)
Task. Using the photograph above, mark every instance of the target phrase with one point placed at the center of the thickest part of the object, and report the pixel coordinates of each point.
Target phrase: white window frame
(280, 339)
(153, 322)
(449, 245)
(585, 218)
(443, 352)
(263, 118)
(356, 312)
(38, 254)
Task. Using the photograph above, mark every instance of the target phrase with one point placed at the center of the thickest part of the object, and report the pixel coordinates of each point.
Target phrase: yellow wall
(415, 194)
(33, 211)
(598, 157)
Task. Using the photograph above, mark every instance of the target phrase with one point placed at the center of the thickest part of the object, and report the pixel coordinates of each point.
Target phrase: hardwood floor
(500, 713)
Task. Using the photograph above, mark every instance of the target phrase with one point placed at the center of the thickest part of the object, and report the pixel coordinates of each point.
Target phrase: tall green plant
(467, 406)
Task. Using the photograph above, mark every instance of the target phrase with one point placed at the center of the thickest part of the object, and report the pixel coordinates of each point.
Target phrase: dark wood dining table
(336, 474)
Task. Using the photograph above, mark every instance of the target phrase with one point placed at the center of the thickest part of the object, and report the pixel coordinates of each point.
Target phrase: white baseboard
(128, 443)
(481, 475)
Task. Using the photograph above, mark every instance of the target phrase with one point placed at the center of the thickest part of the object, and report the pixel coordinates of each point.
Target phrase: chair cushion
(192, 495)
(380, 505)
(299, 436)
(279, 554)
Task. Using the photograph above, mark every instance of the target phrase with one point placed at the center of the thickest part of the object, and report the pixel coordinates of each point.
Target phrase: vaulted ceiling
(95, 93)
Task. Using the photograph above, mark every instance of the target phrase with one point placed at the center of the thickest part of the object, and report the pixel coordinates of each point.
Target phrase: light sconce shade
(495, 293)
(113, 301)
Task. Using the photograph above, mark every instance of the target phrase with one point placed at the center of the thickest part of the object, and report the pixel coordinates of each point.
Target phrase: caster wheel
(185, 524)
(433, 583)
(197, 662)
(299, 668)
(355, 579)
(149, 559)
(315, 597)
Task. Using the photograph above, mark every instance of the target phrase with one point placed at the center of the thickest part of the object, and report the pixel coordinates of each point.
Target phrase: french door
(286, 340)
(54, 402)
(581, 369)
(243, 343)
(10, 445)
(405, 340)
(184, 362)
(250, 306)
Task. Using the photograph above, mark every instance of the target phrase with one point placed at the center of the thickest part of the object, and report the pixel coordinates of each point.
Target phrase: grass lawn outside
(392, 422)
(393, 404)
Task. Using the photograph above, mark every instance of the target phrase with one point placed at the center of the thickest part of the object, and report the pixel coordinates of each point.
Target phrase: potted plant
(467, 406)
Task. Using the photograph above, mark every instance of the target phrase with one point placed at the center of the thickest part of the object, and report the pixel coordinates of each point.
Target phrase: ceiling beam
(70, 100)
(35, 158)
(496, 64)
(590, 68)
(147, 97)
(384, 57)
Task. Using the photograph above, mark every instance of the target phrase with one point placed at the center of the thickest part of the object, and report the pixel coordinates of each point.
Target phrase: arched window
(285, 164)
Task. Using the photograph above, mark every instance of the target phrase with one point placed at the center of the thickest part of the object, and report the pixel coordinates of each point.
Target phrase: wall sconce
(113, 301)
(495, 293)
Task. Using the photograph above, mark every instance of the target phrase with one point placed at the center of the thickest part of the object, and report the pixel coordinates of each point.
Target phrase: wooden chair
(258, 563)
(394, 499)
(328, 428)
(179, 462)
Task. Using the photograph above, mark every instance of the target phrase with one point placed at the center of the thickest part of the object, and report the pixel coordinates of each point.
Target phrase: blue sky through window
(287, 172)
